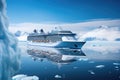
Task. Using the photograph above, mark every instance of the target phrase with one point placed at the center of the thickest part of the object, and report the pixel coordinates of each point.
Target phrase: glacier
(9, 52)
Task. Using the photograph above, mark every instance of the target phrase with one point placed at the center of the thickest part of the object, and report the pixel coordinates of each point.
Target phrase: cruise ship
(57, 38)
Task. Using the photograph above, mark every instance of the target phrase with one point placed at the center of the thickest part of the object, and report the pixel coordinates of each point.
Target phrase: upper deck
(53, 33)
(53, 36)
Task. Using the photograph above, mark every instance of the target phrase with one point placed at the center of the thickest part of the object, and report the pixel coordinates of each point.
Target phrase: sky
(83, 17)
(61, 11)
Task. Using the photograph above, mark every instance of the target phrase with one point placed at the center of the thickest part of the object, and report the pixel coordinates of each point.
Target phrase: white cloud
(76, 27)
(81, 28)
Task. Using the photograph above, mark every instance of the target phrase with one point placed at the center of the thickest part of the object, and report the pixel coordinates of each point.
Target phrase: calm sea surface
(96, 61)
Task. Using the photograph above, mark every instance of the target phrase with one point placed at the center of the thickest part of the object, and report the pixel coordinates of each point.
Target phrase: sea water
(102, 62)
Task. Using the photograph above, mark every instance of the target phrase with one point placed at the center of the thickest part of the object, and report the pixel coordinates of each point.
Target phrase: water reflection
(100, 63)
(105, 50)
(55, 55)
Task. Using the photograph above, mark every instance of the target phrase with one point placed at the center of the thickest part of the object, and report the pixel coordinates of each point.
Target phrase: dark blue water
(102, 62)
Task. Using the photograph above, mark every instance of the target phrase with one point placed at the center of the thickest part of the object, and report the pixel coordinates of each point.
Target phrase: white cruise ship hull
(60, 44)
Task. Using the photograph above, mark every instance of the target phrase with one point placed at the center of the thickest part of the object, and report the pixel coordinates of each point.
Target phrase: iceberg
(9, 52)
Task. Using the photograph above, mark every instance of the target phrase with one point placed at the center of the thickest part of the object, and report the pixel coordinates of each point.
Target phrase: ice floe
(75, 67)
(116, 64)
(58, 76)
(24, 77)
(91, 72)
(83, 59)
(100, 66)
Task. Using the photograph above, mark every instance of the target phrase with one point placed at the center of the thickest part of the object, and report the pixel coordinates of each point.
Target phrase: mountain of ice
(9, 52)
(102, 33)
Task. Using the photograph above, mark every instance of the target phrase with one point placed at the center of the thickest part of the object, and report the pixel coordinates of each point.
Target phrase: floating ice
(91, 72)
(91, 62)
(58, 76)
(24, 77)
(9, 56)
(83, 59)
(116, 64)
(75, 67)
(100, 66)
(116, 67)
(19, 77)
